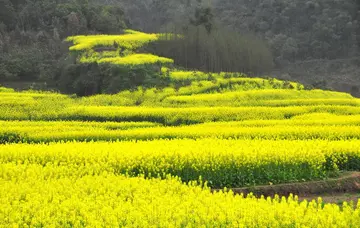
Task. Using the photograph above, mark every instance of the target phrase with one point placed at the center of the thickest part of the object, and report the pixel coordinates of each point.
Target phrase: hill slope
(146, 156)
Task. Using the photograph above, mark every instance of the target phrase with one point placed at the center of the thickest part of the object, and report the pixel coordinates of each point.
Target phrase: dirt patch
(334, 198)
(333, 190)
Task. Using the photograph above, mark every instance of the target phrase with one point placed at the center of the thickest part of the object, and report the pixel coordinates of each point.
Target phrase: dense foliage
(216, 51)
(31, 34)
(244, 36)
(295, 30)
(315, 42)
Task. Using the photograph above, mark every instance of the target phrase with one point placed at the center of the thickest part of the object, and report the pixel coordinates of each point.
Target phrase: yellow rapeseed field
(116, 201)
(223, 163)
(148, 157)
(129, 40)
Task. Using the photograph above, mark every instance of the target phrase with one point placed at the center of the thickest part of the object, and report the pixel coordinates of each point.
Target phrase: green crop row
(37, 131)
(272, 130)
(265, 98)
(168, 116)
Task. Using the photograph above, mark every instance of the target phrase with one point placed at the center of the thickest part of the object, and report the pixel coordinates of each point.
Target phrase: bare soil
(332, 190)
(334, 198)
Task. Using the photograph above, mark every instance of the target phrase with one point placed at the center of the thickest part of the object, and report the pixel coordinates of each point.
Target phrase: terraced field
(149, 157)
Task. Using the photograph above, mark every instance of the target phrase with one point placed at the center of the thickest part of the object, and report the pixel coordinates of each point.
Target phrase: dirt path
(334, 190)
(335, 198)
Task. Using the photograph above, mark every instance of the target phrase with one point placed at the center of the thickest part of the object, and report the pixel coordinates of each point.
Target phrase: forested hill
(294, 29)
(313, 41)
(273, 34)
(32, 33)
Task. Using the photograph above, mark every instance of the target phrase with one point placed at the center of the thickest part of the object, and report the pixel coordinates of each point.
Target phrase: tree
(7, 13)
(32, 34)
(203, 17)
(73, 23)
